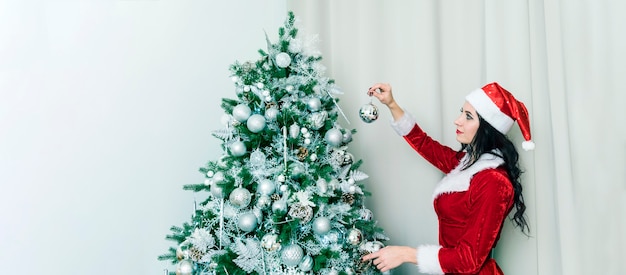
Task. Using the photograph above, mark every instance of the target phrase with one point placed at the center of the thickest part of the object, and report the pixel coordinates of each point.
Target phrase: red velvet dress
(471, 206)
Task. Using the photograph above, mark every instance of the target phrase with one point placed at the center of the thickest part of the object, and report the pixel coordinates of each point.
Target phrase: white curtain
(564, 59)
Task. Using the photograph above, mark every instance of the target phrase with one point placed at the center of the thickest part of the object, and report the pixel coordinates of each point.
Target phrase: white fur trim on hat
(428, 259)
(489, 111)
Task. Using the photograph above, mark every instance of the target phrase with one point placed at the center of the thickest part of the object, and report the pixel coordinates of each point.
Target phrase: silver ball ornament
(264, 201)
(241, 112)
(355, 236)
(247, 222)
(185, 267)
(266, 187)
(256, 123)
(257, 158)
(283, 60)
(238, 148)
(347, 137)
(279, 207)
(321, 225)
(314, 104)
(306, 264)
(240, 197)
(291, 255)
(334, 137)
(366, 214)
(368, 113)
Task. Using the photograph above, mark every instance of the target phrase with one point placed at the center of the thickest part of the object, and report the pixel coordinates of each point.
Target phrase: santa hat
(498, 107)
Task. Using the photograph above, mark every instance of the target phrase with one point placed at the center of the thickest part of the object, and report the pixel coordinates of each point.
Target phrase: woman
(481, 186)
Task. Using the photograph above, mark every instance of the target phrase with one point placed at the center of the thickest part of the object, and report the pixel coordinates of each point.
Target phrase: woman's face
(466, 124)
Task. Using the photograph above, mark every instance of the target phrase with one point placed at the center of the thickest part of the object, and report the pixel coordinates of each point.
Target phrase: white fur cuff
(404, 125)
(428, 259)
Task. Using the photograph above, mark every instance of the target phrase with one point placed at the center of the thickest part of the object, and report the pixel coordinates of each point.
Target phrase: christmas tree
(286, 196)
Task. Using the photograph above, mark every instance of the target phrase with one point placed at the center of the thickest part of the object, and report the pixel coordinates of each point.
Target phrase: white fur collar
(459, 180)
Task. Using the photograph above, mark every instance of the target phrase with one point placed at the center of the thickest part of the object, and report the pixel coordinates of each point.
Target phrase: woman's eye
(468, 117)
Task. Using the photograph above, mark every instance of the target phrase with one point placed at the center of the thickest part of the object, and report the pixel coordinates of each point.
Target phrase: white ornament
(294, 130)
(279, 207)
(185, 267)
(241, 112)
(240, 197)
(307, 141)
(314, 104)
(257, 158)
(281, 178)
(264, 201)
(291, 255)
(256, 123)
(266, 187)
(247, 222)
(283, 60)
(260, 85)
(321, 225)
(318, 119)
(334, 137)
(238, 148)
(210, 174)
(306, 264)
(313, 157)
(246, 88)
(271, 114)
(305, 131)
(218, 177)
(347, 137)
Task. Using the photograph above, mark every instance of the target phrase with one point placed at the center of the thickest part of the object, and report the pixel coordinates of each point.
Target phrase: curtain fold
(564, 59)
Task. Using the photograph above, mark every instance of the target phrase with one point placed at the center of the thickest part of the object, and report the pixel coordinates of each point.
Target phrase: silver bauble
(355, 236)
(257, 158)
(283, 60)
(256, 123)
(279, 207)
(264, 201)
(238, 148)
(271, 114)
(218, 177)
(217, 191)
(306, 264)
(185, 267)
(347, 137)
(368, 113)
(247, 222)
(334, 137)
(241, 112)
(291, 255)
(318, 119)
(240, 197)
(366, 214)
(321, 225)
(266, 187)
(314, 104)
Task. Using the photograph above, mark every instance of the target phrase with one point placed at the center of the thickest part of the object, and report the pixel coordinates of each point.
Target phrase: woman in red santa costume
(480, 188)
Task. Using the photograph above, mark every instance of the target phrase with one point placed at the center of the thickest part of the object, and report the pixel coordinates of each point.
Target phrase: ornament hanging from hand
(368, 112)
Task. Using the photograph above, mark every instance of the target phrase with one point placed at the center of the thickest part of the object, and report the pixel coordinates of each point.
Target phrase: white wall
(106, 111)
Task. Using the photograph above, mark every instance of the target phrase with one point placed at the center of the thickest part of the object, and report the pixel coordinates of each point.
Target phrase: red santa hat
(498, 107)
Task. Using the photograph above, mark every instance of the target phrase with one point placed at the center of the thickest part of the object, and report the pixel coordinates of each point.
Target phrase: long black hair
(487, 139)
